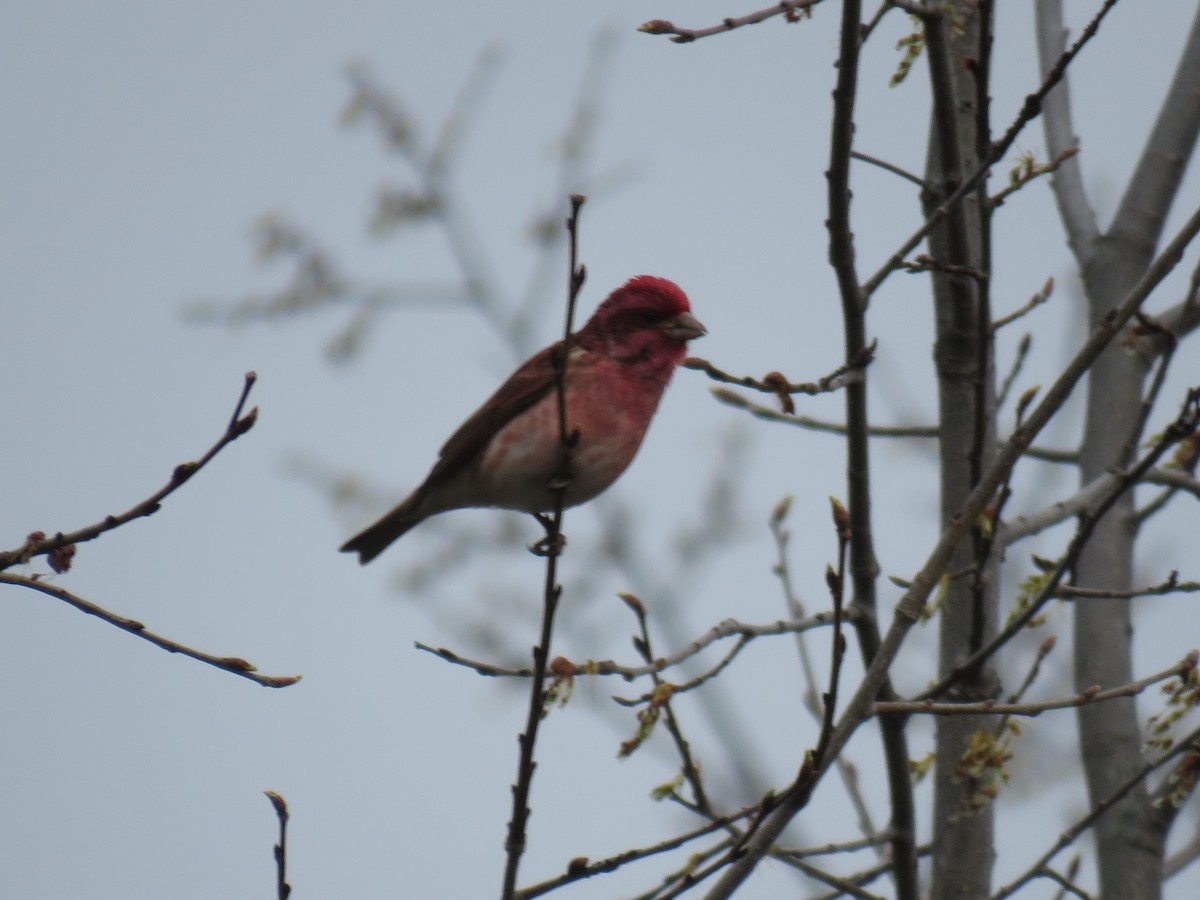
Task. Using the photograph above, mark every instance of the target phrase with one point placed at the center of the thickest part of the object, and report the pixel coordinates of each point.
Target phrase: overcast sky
(140, 144)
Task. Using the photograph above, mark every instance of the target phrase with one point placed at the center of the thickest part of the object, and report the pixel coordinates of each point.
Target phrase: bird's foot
(554, 541)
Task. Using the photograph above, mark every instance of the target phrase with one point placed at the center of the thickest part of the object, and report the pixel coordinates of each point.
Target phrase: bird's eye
(648, 317)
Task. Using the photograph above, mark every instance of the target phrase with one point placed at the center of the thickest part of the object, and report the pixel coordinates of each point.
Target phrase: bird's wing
(525, 387)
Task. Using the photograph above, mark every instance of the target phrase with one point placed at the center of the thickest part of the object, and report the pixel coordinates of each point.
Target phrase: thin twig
(1087, 821)
(662, 700)
(776, 383)
(696, 682)
(233, 664)
(1171, 586)
(1155, 506)
(1044, 649)
(1034, 302)
(1072, 874)
(926, 263)
(841, 847)
(1065, 883)
(1182, 858)
(844, 885)
(582, 868)
(1184, 424)
(726, 629)
(1029, 111)
(729, 398)
(866, 876)
(514, 844)
(908, 610)
(283, 890)
(796, 607)
(690, 874)
(858, 526)
(38, 544)
(790, 9)
(1028, 173)
(836, 579)
(869, 27)
(1148, 325)
(991, 707)
(1017, 364)
(888, 167)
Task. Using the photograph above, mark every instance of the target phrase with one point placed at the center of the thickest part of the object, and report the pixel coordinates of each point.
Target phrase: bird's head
(646, 319)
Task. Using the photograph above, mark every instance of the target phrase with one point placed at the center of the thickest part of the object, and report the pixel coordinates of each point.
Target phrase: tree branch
(39, 545)
(789, 9)
(1092, 695)
(1029, 111)
(283, 890)
(232, 664)
(551, 548)
(908, 610)
(727, 629)
(1073, 206)
(1087, 821)
(1142, 215)
(581, 867)
(776, 383)
(1187, 421)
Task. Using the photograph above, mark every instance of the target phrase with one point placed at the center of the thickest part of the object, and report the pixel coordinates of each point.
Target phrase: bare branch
(795, 606)
(727, 629)
(908, 610)
(1177, 322)
(1142, 215)
(729, 398)
(1182, 858)
(842, 847)
(283, 890)
(1030, 172)
(775, 382)
(1034, 302)
(232, 664)
(1014, 370)
(866, 876)
(986, 707)
(581, 868)
(1029, 111)
(926, 263)
(39, 545)
(1186, 422)
(1086, 499)
(1176, 478)
(1073, 205)
(915, 8)
(662, 700)
(1044, 454)
(551, 548)
(1171, 586)
(888, 167)
(1083, 824)
(1065, 883)
(789, 9)
(844, 885)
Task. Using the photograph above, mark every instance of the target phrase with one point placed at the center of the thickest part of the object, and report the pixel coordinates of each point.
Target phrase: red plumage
(507, 453)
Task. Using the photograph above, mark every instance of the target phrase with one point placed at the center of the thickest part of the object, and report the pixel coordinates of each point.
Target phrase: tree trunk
(958, 45)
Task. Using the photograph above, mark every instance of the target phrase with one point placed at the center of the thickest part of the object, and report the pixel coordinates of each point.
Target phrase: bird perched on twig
(506, 454)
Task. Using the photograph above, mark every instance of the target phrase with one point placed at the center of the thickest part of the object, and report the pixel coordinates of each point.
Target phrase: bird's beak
(682, 328)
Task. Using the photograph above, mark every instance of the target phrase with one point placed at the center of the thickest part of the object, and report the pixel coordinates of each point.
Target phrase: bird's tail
(372, 541)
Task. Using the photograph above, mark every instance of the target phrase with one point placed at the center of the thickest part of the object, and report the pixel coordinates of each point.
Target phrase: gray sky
(141, 141)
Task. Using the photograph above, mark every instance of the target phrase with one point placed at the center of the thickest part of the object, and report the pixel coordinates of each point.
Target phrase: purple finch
(506, 455)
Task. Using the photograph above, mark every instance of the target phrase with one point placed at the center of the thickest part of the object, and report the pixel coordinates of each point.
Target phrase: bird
(508, 452)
